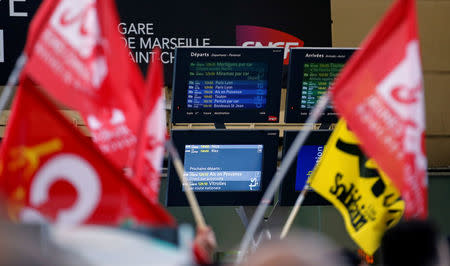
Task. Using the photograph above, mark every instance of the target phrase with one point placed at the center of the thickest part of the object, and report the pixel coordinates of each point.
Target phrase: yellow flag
(365, 197)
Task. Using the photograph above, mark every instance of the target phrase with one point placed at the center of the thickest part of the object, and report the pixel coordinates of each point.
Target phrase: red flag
(152, 136)
(51, 172)
(380, 94)
(75, 52)
(37, 23)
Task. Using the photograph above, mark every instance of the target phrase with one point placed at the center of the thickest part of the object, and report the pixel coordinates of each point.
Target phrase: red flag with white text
(75, 52)
(52, 173)
(150, 149)
(380, 94)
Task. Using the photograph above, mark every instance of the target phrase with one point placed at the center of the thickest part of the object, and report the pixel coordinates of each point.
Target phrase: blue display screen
(308, 157)
(215, 168)
(227, 85)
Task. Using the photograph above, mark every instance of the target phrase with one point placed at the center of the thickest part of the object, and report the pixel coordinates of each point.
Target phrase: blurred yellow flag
(363, 194)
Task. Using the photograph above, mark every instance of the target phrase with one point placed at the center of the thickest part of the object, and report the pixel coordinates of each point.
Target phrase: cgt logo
(77, 23)
(80, 174)
(255, 36)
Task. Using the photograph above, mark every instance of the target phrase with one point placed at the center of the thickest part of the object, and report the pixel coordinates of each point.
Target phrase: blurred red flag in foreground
(51, 172)
(76, 54)
(152, 135)
(380, 94)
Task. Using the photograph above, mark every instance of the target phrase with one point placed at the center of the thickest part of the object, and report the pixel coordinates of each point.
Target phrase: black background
(14, 33)
(308, 20)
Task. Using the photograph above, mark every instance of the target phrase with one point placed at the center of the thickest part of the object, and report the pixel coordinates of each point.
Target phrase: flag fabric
(76, 54)
(152, 135)
(51, 172)
(380, 95)
(365, 197)
(37, 23)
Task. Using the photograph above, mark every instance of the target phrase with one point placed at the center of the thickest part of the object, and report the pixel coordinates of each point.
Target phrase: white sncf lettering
(2, 47)
(12, 11)
(76, 171)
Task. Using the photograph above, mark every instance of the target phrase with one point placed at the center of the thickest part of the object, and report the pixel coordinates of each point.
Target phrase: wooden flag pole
(12, 81)
(278, 177)
(294, 211)
(198, 216)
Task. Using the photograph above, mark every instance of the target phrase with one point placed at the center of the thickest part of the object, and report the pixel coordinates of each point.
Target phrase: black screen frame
(293, 112)
(288, 195)
(269, 138)
(272, 56)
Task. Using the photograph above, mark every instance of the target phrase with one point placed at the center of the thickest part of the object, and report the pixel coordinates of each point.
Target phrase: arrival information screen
(223, 167)
(317, 77)
(227, 85)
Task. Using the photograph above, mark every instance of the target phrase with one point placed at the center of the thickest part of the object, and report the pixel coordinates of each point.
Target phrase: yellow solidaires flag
(363, 194)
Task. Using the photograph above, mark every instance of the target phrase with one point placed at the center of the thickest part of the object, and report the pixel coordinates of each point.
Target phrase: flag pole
(294, 211)
(12, 81)
(287, 226)
(278, 177)
(198, 216)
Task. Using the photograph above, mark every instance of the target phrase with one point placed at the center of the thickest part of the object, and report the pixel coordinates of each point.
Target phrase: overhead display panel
(311, 72)
(223, 167)
(231, 84)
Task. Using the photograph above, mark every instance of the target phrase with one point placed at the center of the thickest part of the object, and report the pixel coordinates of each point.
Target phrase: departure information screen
(317, 78)
(223, 167)
(229, 85)
(308, 157)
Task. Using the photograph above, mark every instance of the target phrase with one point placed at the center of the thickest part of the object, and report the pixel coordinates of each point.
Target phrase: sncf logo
(266, 37)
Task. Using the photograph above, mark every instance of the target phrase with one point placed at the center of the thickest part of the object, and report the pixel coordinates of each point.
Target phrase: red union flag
(76, 54)
(50, 172)
(380, 94)
(150, 150)
(113, 131)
